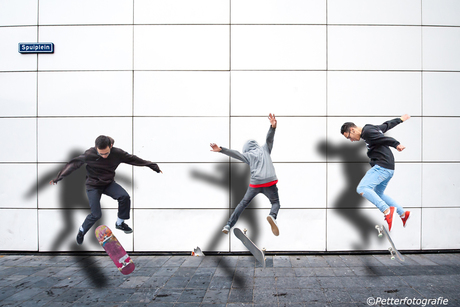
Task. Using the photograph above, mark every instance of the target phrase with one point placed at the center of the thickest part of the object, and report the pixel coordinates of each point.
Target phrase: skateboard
(114, 249)
(393, 250)
(255, 251)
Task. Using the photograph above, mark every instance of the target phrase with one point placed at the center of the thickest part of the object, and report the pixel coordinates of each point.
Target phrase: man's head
(350, 131)
(103, 145)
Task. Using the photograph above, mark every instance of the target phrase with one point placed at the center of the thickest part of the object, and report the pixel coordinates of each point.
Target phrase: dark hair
(103, 141)
(346, 127)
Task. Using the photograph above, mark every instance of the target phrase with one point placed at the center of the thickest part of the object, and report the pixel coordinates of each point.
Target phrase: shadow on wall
(349, 198)
(73, 196)
(238, 174)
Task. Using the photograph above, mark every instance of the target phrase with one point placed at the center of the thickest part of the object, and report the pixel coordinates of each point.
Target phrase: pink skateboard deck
(114, 249)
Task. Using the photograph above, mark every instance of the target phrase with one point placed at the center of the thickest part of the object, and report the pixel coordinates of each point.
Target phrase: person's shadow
(355, 165)
(238, 175)
(72, 192)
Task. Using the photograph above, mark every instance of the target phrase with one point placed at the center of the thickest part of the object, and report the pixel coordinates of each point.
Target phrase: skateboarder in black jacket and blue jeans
(263, 176)
(374, 183)
(101, 163)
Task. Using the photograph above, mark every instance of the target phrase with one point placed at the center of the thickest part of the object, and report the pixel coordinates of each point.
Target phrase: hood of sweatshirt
(250, 145)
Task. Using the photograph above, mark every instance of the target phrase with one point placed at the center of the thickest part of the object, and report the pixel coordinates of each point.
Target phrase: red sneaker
(389, 218)
(405, 218)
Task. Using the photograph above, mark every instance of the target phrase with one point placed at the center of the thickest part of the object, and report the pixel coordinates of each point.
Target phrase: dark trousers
(113, 190)
(270, 192)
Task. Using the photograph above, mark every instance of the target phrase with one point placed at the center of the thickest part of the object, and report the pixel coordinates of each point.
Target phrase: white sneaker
(226, 229)
(274, 225)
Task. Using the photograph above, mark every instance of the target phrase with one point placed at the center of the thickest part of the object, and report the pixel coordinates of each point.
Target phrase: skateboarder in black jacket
(373, 184)
(101, 163)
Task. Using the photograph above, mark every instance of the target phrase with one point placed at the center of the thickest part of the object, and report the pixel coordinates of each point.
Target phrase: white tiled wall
(167, 78)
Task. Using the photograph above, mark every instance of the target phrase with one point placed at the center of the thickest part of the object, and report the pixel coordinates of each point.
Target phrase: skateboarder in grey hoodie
(263, 176)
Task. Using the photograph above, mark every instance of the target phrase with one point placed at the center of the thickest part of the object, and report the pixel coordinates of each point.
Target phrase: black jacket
(100, 171)
(378, 149)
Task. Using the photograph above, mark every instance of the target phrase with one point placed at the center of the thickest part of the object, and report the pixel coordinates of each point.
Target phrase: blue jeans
(374, 184)
(271, 193)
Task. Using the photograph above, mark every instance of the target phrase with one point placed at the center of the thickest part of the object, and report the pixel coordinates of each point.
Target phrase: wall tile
(18, 13)
(279, 12)
(441, 47)
(181, 93)
(441, 12)
(78, 133)
(87, 48)
(354, 229)
(54, 12)
(305, 229)
(176, 47)
(440, 93)
(374, 93)
(15, 133)
(364, 12)
(278, 47)
(19, 231)
(293, 142)
(58, 230)
(18, 94)
(441, 185)
(10, 58)
(180, 139)
(281, 92)
(440, 228)
(85, 93)
(374, 48)
(438, 136)
(182, 12)
(16, 195)
(201, 185)
(183, 230)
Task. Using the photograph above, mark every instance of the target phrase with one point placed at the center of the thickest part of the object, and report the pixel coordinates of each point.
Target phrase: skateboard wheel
(392, 257)
(380, 235)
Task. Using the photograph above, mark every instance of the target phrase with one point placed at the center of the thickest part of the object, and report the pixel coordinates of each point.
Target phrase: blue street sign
(36, 48)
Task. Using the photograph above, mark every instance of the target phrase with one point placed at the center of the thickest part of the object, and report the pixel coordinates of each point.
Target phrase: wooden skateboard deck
(114, 249)
(393, 250)
(255, 251)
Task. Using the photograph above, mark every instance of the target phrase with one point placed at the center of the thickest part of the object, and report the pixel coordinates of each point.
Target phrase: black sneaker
(124, 227)
(80, 237)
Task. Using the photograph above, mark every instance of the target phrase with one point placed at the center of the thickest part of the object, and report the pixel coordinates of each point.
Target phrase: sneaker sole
(275, 228)
(225, 231)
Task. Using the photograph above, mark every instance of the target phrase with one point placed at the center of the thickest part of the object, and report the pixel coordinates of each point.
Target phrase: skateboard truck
(392, 249)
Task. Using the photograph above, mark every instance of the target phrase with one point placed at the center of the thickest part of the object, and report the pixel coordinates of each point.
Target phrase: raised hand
(272, 119)
(405, 117)
(215, 148)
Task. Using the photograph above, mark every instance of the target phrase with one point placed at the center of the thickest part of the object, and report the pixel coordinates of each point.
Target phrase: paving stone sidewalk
(332, 280)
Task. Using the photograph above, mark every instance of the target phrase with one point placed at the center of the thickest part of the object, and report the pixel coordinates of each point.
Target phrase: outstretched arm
(271, 132)
(229, 152)
(73, 165)
(136, 161)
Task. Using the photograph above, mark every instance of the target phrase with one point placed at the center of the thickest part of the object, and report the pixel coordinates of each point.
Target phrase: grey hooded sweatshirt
(258, 158)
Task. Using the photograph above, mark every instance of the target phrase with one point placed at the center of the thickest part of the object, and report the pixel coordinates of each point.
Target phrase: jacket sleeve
(136, 161)
(390, 124)
(71, 166)
(376, 138)
(234, 154)
(270, 138)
